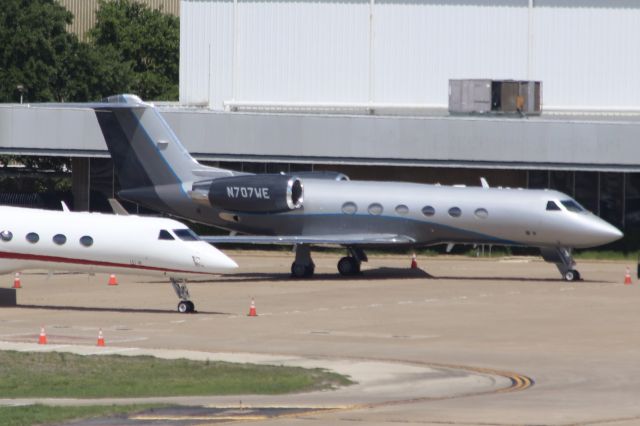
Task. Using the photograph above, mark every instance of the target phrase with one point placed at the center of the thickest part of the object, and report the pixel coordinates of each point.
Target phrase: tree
(146, 40)
(37, 52)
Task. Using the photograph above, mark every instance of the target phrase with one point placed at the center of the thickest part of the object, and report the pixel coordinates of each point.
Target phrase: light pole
(20, 88)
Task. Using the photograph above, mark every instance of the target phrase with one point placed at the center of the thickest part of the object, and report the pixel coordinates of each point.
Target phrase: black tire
(576, 275)
(570, 275)
(348, 266)
(309, 270)
(192, 307)
(183, 306)
(298, 270)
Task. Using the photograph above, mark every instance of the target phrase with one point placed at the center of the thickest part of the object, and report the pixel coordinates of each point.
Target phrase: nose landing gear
(185, 305)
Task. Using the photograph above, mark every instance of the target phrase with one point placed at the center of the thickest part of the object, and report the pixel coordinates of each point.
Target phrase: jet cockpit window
(6, 235)
(165, 235)
(552, 206)
(572, 206)
(186, 234)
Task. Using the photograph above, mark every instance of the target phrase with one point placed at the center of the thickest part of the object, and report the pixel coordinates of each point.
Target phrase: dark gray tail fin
(145, 151)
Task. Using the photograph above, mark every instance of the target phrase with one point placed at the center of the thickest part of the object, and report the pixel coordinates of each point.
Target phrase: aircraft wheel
(348, 266)
(572, 275)
(298, 270)
(192, 307)
(184, 306)
(309, 270)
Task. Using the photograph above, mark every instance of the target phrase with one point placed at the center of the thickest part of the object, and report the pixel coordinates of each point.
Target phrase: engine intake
(267, 193)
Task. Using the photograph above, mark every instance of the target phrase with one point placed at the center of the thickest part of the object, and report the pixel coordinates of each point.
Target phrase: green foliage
(41, 414)
(55, 375)
(146, 40)
(131, 49)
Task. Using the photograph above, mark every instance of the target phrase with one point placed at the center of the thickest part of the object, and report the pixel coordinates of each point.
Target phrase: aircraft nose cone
(607, 233)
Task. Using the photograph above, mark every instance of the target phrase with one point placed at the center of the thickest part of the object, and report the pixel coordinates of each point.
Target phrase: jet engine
(265, 193)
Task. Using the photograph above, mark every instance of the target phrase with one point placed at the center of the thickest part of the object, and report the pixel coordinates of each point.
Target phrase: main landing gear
(563, 259)
(185, 305)
(303, 266)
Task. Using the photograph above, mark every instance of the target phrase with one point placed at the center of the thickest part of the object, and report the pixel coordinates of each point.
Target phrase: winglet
(117, 207)
(484, 183)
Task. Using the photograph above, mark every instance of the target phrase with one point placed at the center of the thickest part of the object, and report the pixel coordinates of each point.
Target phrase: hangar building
(362, 86)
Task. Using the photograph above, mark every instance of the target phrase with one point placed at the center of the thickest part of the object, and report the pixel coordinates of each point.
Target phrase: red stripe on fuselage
(73, 261)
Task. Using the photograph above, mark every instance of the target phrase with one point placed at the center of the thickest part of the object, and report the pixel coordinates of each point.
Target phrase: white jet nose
(604, 233)
(217, 260)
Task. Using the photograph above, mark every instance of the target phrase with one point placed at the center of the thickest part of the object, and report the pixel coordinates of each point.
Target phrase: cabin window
(572, 206)
(402, 209)
(428, 211)
(32, 237)
(375, 209)
(165, 235)
(455, 212)
(59, 239)
(186, 234)
(6, 235)
(86, 241)
(552, 206)
(482, 213)
(349, 207)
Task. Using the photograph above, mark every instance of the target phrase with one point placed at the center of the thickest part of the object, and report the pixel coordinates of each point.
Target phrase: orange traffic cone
(100, 338)
(414, 262)
(16, 281)
(252, 309)
(627, 277)
(113, 280)
(42, 340)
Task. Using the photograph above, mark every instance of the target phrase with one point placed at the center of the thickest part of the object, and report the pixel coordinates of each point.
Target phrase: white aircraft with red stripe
(94, 242)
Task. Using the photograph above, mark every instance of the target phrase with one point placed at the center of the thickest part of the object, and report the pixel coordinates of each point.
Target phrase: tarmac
(471, 342)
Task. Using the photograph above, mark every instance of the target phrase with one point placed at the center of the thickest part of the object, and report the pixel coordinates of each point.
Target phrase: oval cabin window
(349, 208)
(455, 212)
(428, 211)
(6, 235)
(86, 241)
(482, 213)
(32, 237)
(402, 209)
(59, 239)
(375, 209)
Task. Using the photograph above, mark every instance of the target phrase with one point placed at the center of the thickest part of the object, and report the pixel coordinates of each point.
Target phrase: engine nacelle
(267, 193)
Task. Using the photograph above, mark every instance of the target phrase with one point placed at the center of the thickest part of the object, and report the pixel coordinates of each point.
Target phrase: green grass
(64, 375)
(45, 415)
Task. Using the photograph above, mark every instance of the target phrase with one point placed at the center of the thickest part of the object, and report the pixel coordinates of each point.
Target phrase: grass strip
(65, 375)
(29, 415)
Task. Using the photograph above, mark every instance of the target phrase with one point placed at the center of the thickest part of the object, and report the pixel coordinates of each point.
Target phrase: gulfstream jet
(94, 242)
(303, 209)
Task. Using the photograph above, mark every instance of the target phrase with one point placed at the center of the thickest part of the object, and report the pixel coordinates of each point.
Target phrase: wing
(343, 240)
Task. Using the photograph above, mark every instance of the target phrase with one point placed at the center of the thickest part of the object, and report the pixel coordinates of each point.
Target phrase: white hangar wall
(403, 52)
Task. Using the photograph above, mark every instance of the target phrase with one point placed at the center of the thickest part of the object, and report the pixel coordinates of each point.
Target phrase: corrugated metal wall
(84, 12)
(403, 52)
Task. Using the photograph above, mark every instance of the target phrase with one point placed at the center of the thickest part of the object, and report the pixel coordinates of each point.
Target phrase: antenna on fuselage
(484, 182)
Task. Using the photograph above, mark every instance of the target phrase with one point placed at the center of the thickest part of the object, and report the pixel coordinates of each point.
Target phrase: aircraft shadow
(377, 274)
(116, 310)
